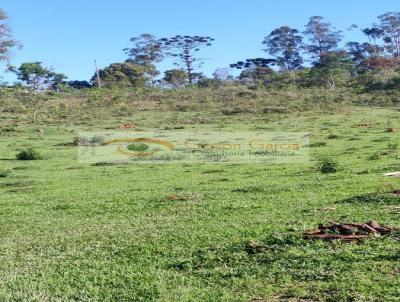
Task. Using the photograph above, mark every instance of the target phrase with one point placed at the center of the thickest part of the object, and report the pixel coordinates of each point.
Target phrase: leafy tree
(176, 77)
(79, 84)
(125, 74)
(390, 25)
(336, 69)
(379, 78)
(6, 41)
(361, 53)
(373, 34)
(37, 77)
(58, 81)
(209, 83)
(381, 62)
(198, 76)
(184, 48)
(323, 38)
(41, 81)
(147, 50)
(253, 63)
(256, 70)
(284, 43)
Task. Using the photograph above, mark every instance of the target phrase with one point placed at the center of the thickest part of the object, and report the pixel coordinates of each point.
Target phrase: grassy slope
(75, 232)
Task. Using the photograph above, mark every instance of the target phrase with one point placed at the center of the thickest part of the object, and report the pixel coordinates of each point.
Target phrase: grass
(198, 232)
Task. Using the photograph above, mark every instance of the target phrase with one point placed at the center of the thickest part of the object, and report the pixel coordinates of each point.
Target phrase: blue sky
(69, 35)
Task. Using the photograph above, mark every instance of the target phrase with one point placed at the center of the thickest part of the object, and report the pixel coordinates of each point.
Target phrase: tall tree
(336, 69)
(373, 33)
(390, 24)
(6, 41)
(37, 77)
(284, 43)
(184, 48)
(125, 74)
(323, 38)
(175, 77)
(40, 80)
(146, 50)
(363, 51)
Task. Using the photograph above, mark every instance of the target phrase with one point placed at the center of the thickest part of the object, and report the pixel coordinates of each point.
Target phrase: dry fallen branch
(348, 231)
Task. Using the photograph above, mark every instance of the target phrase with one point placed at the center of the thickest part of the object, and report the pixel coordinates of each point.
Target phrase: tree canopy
(284, 44)
(184, 48)
(127, 74)
(37, 77)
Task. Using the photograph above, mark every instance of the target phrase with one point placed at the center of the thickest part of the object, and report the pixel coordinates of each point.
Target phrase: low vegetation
(29, 154)
(112, 231)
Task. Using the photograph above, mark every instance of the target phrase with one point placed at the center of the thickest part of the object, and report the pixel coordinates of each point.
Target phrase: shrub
(97, 140)
(375, 156)
(327, 165)
(80, 141)
(4, 172)
(393, 146)
(333, 136)
(317, 144)
(29, 154)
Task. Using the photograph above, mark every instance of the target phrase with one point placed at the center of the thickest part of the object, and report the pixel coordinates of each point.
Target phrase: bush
(333, 136)
(29, 154)
(80, 141)
(327, 165)
(4, 173)
(375, 156)
(97, 140)
(393, 146)
(317, 144)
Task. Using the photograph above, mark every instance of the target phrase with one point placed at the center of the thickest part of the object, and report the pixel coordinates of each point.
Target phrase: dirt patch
(396, 192)
(126, 126)
(347, 231)
(364, 125)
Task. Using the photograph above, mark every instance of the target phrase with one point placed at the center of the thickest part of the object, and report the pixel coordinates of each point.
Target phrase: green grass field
(232, 232)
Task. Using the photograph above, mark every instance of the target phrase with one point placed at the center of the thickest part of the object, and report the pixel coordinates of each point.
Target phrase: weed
(318, 144)
(4, 172)
(393, 146)
(29, 154)
(333, 136)
(327, 165)
(375, 156)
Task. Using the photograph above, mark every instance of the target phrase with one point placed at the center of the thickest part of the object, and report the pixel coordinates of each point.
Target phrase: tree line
(314, 56)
